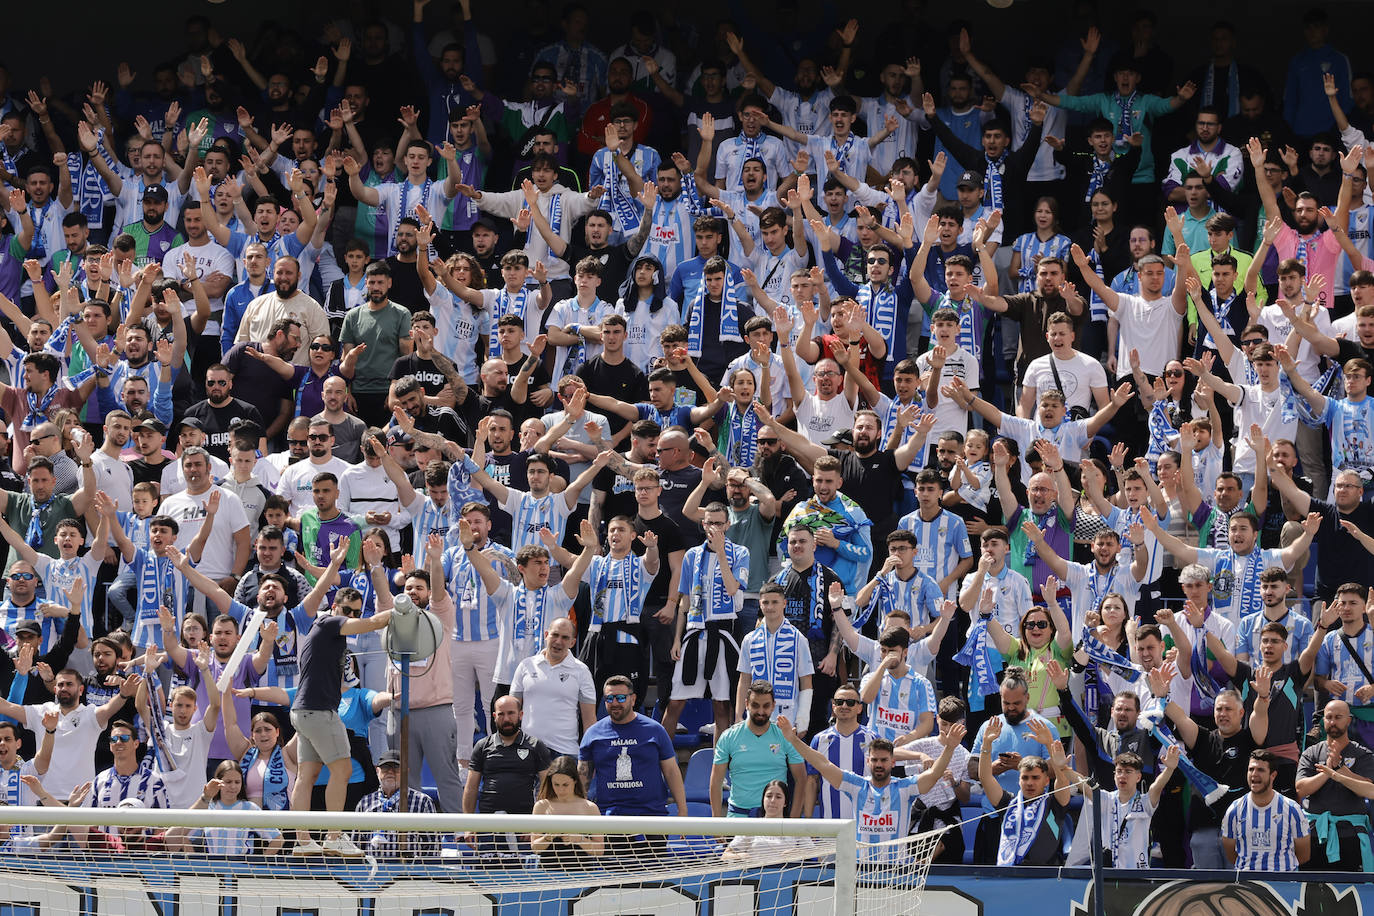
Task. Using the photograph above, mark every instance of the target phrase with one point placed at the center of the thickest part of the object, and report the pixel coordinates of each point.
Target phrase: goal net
(136, 861)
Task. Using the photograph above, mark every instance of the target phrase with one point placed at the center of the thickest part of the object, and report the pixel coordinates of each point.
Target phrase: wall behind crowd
(1268, 30)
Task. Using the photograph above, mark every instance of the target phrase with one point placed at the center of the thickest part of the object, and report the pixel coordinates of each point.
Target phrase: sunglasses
(878, 261)
(1173, 373)
(1251, 343)
(22, 577)
(319, 437)
(616, 697)
(838, 702)
(296, 442)
(1037, 624)
(320, 346)
(216, 382)
(762, 441)
(351, 611)
(121, 739)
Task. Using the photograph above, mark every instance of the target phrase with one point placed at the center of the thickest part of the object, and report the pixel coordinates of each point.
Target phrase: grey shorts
(320, 736)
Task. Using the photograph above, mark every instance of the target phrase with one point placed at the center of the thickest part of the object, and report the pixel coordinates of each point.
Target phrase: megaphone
(413, 634)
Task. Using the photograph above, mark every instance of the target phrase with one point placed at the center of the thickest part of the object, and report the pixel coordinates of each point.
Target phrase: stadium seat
(970, 817)
(697, 783)
(694, 715)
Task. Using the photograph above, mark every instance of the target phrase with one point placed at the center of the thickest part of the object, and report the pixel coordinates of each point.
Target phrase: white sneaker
(342, 846)
(308, 849)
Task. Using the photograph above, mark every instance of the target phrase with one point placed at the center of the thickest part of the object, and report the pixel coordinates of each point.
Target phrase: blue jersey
(1299, 635)
(1031, 248)
(880, 815)
(478, 615)
(627, 774)
(618, 590)
(900, 704)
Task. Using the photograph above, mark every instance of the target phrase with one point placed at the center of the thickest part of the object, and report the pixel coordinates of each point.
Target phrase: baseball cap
(155, 192)
(154, 424)
(970, 179)
(486, 222)
(28, 626)
(839, 437)
(191, 422)
(389, 758)
(397, 436)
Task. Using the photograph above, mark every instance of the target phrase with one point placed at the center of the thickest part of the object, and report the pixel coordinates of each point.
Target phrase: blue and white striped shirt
(60, 575)
(848, 752)
(525, 613)
(618, 590)
(1299, 634)
(1030, 247)
(529, 513)
(900, 703)
(1265, 834)
(428, 518)
(479, 615)
(884, 814)
(940, 544)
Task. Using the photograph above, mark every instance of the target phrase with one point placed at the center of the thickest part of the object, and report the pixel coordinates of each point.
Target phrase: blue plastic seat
(697, 783)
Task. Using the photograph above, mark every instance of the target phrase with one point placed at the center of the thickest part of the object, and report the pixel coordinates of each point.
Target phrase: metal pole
(405, 732)
(1099, 899)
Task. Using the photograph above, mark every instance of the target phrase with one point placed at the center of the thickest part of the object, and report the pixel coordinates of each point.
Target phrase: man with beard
(384, 327)
(1012, 742)
(78, 728)
(154, 237)
(348, 429)
(748, 752)
(266, 214)
(495, 393)
(1275, 609)
(139, 362)
(805, 108)
(506, 766)
(1264, 830)
(113, 474)
(45, 390)
(1335, 782)
(188, 736)
(214, 266)
(265, 372)
(225, 553)
(284, 301)
(219, 409)
(297, 480)
(406, 288)
(151, 461)
(504, 465)
(131, 190)
(1104, 744)
(429, 425)
(873, 474)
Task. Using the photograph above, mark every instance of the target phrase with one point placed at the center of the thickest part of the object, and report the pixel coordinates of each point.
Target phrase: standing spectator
(753, 754)
(556, 690)
(1304, 100)
(1263, 830)
(382, 331)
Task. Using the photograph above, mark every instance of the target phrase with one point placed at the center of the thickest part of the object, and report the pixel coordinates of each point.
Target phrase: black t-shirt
(426, 372)
(1225, 760)
(872, 482)
(539, 378)
(1286, 723)
(1341, 558)
(256, 382)
(147, 473)
(686, 383)
(620, 494)
(510, 471)
(801, 599)
(321, 664)
(510, 773)
(1274, 518)
(215, 421)
(1352, 349)
(406, 288)
(677, 486)
(446, 422)
(716, 354)
(1332, 796)
(615, 264)
(669, 540)
(623, 381)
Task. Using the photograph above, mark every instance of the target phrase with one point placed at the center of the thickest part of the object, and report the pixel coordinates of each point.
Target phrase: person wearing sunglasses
(219, 409)
(1044, 636)
(128, 777)
(844, 744)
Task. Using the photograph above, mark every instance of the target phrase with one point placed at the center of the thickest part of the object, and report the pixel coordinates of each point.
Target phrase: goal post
(134, 860)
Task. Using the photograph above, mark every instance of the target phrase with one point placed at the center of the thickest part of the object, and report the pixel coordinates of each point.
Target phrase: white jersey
(526, 614)
(568, 360)
(211, 258)
(782, 657)
(458, 326)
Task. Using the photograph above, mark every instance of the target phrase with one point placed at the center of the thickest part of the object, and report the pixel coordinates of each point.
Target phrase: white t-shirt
(295, 483)
(1150, 326)
(1079, 375)
(211, 257)
(73, 756)
(959, 364)
(115, 478)
(817, 419)
(217, 561)
(774, 272)
(551, 694)
(174, 479)
(1276, 415)
(1279, 327)
(189, 749)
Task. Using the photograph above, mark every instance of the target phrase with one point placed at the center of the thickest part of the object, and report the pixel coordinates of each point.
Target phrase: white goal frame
(842, 832)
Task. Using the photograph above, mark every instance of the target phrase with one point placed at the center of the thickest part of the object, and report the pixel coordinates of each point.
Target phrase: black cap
(28, 626)
(154, 424)
(839, 437)
(389, 758)
(970, 179)
(155, 192)
(486, 222)
(191, 422)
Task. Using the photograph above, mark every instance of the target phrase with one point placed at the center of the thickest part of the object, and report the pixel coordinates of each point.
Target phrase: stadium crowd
(956, 431)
